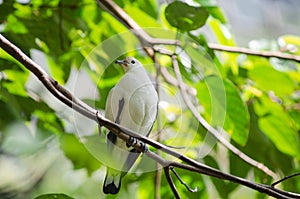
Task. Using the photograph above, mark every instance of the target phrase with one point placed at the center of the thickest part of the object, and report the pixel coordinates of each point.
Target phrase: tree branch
(212, 130)
(67, 98)
(247, 51)
(124, 18)
(170, 181)
(119, 14)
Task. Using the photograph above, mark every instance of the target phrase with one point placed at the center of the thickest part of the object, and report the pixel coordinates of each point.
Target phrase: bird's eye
(132, 61)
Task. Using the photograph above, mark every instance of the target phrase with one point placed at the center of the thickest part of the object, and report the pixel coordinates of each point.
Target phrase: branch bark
(247, 51)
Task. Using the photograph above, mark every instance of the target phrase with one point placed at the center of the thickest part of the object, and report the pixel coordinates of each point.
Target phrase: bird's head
(129, 63)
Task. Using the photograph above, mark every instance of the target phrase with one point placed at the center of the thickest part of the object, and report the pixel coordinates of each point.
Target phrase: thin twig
(247, 51)
(285, 178)
(171, 183)
(182, 182)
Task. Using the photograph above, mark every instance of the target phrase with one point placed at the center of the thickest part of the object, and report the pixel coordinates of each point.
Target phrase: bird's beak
(122, 62)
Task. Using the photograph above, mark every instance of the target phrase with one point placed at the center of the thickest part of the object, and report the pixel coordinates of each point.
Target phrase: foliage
(255, 100)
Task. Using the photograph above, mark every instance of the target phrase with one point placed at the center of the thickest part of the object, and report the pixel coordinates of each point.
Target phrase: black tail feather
(113, 187)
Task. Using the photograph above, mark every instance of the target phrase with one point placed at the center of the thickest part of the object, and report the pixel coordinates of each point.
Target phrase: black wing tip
(111, 189)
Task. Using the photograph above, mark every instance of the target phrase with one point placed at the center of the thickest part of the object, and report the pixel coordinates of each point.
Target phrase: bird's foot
(144, 147)
(133, 141)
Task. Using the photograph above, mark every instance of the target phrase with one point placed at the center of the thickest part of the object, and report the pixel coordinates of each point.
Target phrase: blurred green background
(45, 147)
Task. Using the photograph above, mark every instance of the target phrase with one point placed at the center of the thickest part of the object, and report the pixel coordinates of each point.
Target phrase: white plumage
(132, 103)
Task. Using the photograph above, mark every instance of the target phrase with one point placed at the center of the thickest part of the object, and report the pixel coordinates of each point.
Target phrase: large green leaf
(225, 104)
(186, 17)
(269, 79)
(237, 116)
(278, 126)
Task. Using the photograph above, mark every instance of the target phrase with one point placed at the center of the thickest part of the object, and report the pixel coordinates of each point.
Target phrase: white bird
(132, 103)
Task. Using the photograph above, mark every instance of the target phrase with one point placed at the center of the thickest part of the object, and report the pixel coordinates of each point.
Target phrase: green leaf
(269, 79)
(278, 126)
(224, 102)
(54, 196)
(225, 37)
(77, 153)
(216, 13)
(141, 17)
(6, 7)
(213, 9)
(7, 114)
(267, 154)
(211, 95)
(185, 17)
(277, 129)
(15, 81)
(237, 116)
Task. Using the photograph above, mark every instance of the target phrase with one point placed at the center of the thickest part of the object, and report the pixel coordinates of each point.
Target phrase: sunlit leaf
(225, 37)
(185, 17)
(141, 17)
(269, 79)
(217, 13)
(225, 107)
(237, 116)
(213, 9)
(15, 82)
(278, 126)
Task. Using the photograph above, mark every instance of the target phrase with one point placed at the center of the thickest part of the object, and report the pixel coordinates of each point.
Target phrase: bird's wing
(143, 111)
(108, 106)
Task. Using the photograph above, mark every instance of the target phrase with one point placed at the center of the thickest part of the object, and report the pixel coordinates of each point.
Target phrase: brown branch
(247, 51)
(124, 18)
(159, 129)
(118, 13)
(67, 98)
(170, 182)
(212, 130)
(182, 182)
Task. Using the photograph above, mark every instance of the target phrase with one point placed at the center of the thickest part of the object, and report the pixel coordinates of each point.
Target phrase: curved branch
(247, 51)
(119, 14)
(67, 98)
(212, 130)
(124, 18)
(171, 183)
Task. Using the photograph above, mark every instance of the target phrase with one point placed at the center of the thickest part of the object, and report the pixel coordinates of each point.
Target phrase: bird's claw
(132, 141)
(144, 147)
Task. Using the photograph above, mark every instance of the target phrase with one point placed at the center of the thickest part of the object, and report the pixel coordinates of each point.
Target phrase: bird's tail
(112, 182)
